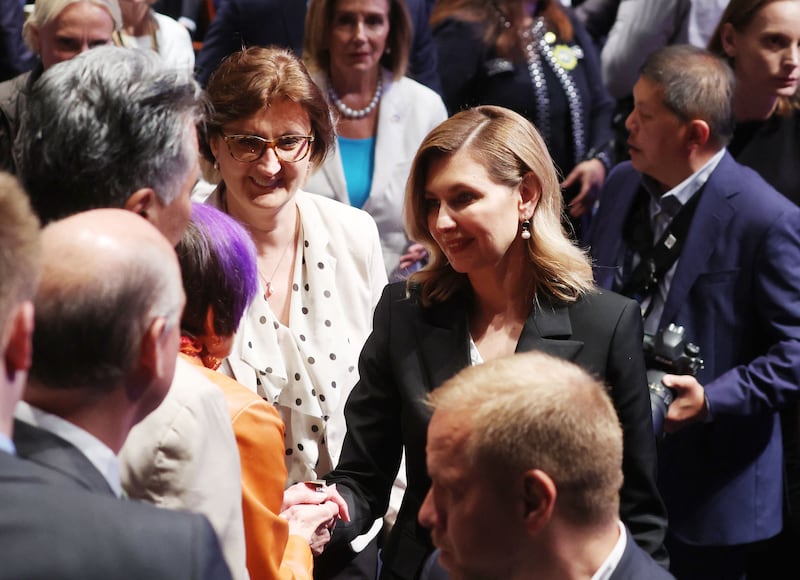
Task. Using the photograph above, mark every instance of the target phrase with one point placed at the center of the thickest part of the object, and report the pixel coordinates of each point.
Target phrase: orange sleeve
(271, 552)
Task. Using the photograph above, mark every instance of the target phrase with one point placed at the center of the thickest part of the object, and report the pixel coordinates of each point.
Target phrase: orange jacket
(271, 552)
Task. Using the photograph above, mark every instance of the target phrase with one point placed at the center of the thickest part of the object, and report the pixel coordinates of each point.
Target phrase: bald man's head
(108, 276)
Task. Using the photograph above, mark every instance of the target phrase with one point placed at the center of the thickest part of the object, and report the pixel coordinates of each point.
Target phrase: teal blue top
(358, 162)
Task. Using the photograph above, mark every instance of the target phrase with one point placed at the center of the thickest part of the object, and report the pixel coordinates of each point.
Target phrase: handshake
(312, 509)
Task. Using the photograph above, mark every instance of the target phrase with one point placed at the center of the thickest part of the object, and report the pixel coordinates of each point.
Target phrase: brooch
(566, 56)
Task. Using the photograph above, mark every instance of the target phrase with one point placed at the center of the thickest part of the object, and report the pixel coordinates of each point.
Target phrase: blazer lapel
(443, 335)
(548, 329)
(57, 454)
(333, 169)
(710, 221)
(334, 175)
(606, 249)
(387, 137)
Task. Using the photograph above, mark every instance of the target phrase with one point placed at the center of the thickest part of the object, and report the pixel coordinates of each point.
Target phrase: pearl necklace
(356, 113)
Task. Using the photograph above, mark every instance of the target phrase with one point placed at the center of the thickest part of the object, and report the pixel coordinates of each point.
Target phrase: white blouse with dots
(308, 369)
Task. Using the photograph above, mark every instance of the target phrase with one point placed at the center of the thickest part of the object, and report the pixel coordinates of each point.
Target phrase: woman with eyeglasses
(320, 265)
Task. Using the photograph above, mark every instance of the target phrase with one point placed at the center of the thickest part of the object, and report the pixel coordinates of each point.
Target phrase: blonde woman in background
(56, 31)
(357, 52)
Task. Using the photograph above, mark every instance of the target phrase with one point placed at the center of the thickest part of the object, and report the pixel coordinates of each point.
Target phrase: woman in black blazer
(503, 276)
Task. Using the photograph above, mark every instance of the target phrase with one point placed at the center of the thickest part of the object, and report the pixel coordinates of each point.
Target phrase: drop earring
(526, 230)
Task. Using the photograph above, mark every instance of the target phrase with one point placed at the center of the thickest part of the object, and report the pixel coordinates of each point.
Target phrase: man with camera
(706, 244)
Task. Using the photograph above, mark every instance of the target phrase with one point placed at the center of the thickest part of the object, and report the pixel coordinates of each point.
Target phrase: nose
(427, 512)
(269, 162)
(793, 55)
(360, 31)
(630, 121)
(444, 221)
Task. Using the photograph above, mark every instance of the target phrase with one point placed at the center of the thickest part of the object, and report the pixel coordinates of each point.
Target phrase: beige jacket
(183, 456)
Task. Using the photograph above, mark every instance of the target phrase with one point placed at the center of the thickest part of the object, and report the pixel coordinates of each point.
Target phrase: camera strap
(654, 260)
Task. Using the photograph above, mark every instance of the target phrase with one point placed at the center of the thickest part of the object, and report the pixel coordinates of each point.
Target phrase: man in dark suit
(705, 243)
(263, 22)
(50, 529)
(525, 459)
(121, 134)
(106, 338)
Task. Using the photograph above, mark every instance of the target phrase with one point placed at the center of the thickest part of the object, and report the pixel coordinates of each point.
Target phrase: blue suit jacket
(635, 564)
(263, 22)
(51, 528)
(736, 290)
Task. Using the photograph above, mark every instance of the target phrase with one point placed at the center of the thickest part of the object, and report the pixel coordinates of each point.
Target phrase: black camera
(666, 352)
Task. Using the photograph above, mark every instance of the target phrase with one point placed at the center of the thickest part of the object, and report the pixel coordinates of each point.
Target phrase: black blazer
(60, 456)
(49, 529)
(412, 350)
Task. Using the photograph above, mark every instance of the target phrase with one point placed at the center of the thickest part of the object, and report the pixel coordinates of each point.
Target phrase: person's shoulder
(636, 563)
(605, 304)
(190, 386)
(336, 214)
(16, 470)
(623, 170)
(414, 88)
(425, 104)
(749, 194)
(10, 90)
(463, 27)
(239, 398)
(193, 412)
(136, 538)
(170, 26)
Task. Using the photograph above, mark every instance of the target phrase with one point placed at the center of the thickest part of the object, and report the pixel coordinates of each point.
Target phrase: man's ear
(142, 201)
(530, 191)
(18, 340)
(697, 133)
(539, 495)
(151, 354)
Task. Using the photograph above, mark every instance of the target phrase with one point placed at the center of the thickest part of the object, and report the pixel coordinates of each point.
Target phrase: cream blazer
(407, 113)
(184, 456)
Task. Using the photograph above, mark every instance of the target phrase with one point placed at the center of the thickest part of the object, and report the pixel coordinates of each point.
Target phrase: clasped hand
(312, 508)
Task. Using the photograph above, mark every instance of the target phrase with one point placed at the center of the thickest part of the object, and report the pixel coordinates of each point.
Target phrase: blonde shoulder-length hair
(512, 150)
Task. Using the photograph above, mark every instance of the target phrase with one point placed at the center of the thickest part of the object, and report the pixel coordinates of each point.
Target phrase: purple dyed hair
(218, 264)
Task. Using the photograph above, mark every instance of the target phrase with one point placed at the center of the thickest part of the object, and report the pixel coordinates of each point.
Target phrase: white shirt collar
(610, 564)
(684, 191)
(97, 452)
(7, 445)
